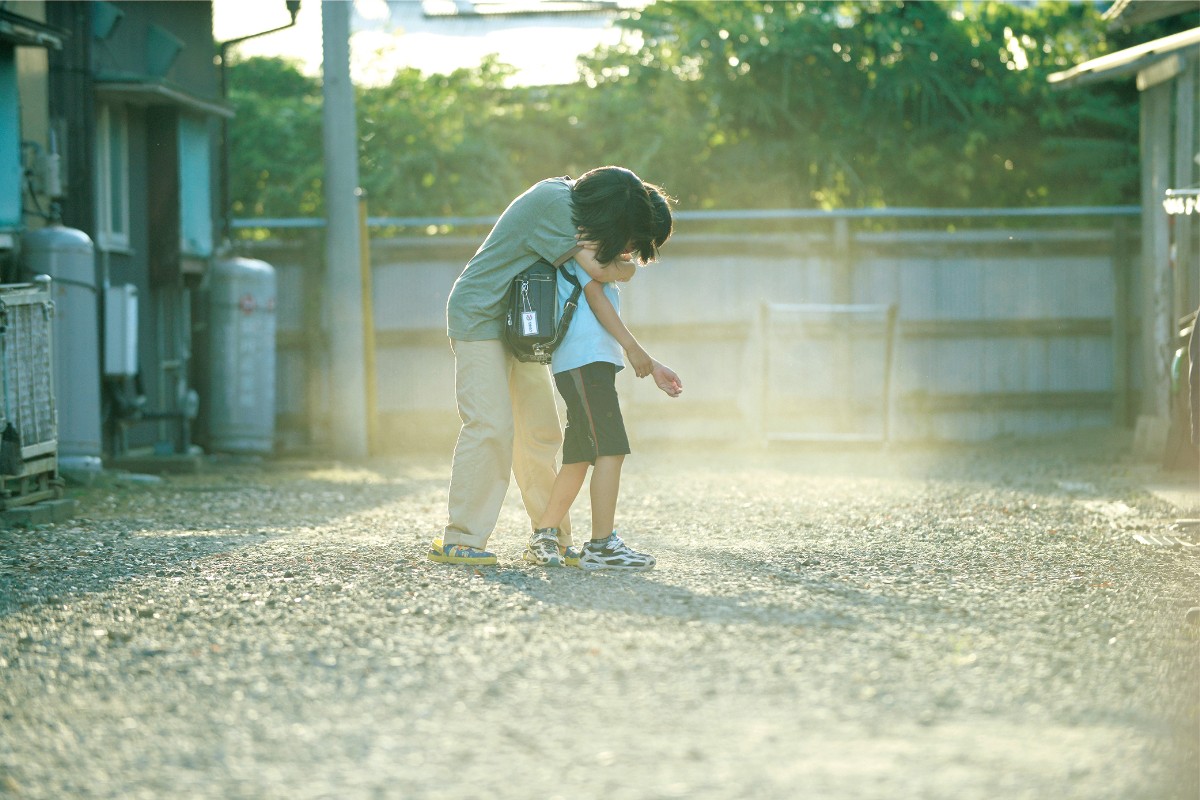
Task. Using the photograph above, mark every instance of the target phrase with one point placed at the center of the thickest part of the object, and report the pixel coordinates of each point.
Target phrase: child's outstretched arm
(643, 365)
(608, 317)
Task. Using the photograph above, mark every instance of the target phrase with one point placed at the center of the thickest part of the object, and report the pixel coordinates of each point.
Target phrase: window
(195, 188)
(112, 178)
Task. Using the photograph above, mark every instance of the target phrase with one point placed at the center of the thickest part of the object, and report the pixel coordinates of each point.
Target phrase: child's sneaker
(570, 556)
(612, 553)
(459, 554)
(543, 548)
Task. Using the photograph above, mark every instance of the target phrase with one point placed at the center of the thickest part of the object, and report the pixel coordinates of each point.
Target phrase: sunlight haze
(387, 36)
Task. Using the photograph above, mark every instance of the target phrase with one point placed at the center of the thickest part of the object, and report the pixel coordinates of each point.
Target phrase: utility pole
(348, 406)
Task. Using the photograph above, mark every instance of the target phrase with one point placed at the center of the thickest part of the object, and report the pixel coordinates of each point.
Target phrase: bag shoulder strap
(567, 256)
(570, 276)
(568, 311)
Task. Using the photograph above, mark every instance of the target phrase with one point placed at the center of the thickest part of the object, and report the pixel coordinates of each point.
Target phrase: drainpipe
(293, 7)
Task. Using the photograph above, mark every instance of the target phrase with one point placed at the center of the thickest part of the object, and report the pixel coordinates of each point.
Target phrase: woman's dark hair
(620, 212)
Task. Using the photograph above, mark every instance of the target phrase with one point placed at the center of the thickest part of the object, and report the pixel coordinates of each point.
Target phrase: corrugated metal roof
(1130, 60)
(139, 91)
(1129, 13)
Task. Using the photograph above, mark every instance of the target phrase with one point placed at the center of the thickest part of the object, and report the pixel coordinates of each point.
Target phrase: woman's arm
(620, 269)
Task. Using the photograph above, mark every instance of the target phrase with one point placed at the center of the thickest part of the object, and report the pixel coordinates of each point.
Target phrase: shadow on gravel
(652, 595)
(186, 525)
(50, 567)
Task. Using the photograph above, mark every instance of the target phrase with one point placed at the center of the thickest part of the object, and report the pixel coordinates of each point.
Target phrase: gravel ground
(978, 623)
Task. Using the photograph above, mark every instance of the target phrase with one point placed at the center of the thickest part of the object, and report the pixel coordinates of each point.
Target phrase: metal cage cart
(28, 409)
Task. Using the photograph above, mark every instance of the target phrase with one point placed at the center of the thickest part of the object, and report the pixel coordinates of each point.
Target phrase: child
(585, 365)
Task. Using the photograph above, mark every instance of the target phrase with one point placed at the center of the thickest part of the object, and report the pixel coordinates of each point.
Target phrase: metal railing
(732, 215)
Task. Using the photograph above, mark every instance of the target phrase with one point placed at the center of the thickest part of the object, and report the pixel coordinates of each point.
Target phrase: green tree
(749, 104)
(274, 140)
(430, 145)
(845, 104)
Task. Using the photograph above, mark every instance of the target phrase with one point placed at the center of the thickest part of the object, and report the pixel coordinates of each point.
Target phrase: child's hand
(640, 360)
(666, 379)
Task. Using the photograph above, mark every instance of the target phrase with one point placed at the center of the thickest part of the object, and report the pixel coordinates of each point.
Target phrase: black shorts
(594, 423)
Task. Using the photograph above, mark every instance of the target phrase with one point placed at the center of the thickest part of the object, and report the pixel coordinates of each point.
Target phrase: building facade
(118, 116)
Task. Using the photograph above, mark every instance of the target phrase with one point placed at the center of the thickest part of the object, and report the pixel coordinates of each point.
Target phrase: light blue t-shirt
(586, 341)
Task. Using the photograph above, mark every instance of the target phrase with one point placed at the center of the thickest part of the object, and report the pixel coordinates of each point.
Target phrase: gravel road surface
(972, 623)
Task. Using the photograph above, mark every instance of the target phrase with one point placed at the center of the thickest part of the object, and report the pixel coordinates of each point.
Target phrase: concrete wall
(999, 332)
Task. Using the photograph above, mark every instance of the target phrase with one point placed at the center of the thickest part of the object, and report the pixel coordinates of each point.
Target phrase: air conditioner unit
(120, 331)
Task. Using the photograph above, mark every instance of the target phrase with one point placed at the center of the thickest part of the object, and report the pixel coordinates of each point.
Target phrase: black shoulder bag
(533, 328)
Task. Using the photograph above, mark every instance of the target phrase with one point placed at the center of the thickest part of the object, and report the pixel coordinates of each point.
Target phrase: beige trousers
(509, 425)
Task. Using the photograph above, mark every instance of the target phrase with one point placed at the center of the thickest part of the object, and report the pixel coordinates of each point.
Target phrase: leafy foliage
(734, 105)
(274, 140)
(885, 103)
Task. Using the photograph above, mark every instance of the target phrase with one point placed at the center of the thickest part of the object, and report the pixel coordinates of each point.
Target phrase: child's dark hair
(619, 211)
